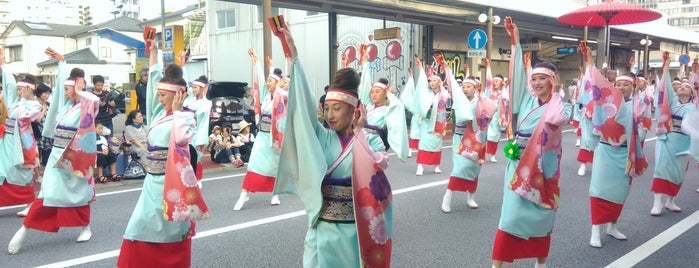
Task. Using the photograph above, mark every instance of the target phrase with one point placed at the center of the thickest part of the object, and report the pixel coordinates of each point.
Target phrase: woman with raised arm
(495, 90)
(407, 97)
(431, 108)
(472, 112)
(531, 190)
(161, 227)
(337, 174)
(68, 188)
(672, 150)
(619, 154)
(17, 169)
(264, 158)
(386, 113)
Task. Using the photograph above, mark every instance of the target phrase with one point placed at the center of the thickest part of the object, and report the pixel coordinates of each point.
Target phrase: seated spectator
(105, 157)
(246, 140)
(135, 134)
(224, 148)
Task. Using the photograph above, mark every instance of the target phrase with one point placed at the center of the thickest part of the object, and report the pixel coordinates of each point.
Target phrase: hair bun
(173, 71)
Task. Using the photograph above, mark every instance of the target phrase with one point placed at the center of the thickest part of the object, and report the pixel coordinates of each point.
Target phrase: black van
(229, 106)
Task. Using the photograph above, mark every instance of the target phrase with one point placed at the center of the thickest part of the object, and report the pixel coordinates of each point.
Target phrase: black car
(228, 105)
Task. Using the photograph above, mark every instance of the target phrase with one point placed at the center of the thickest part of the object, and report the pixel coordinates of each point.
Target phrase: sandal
(116, 178)
(102, 179)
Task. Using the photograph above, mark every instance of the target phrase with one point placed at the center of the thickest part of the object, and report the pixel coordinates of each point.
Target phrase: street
(261, 235)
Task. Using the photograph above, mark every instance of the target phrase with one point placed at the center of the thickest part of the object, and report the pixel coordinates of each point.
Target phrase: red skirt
(50, 219)
(603, 211)
(412, 143)
(491, 148)
(254, 182)
(585, 156)
(146, 254)
(661, 186)
(11, 194)
(200, 171)
(575, 123)
(508, 247)
(462, 185)
(429, 158)
(578, 132)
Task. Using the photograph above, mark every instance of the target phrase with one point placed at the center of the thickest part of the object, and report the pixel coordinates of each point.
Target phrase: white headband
(341, 96)
(624, 78)
(164, 86)
(380, 85)
(434, 76)
(25, 84)
(497, 78)
(199, 84)
(642, 78)
(471, 81)
(274, 76)
(69, 83)
(544, 71)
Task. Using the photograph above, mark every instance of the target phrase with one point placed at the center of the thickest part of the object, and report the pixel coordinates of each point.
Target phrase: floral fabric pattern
(79, 158)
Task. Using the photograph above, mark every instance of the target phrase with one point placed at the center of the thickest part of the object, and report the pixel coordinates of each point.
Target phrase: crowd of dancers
(337, 169)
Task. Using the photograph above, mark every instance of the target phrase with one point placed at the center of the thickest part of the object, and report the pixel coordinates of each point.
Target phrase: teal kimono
(384, 118)
(147, 222)
(427, 105)
(263, 158)
(519, 216)
(317, 167)
(59, 188)
(463, 168)
(407, 97)
(672, 150)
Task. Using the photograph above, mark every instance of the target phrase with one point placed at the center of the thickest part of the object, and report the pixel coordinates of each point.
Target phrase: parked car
(228, 106)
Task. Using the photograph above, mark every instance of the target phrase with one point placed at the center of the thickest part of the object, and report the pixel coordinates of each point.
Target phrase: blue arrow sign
(477, 39)
(566, 50)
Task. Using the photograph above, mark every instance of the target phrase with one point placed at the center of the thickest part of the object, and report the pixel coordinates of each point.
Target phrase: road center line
(654, 244)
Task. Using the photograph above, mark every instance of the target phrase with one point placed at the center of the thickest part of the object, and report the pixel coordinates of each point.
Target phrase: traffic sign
(566, 50)
(477, 39)
(169, 44)
(684, 59)
(480, 53)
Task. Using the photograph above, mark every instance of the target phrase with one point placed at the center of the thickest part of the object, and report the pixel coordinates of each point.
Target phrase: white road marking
(654, 244)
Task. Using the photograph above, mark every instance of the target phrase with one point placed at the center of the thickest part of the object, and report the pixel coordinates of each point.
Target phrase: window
(106, 52)
(260, 16)
(88, 41)
(311, 13)
(15, 53)
(225, 18)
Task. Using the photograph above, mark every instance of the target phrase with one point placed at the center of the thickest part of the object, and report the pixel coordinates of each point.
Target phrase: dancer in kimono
(588, 140)
(619, 154)
(340, 180)
(67, 189)
(574, 99)
(473, 113)
(386, 113)
(531, 191)
(161, 227)
(407, 97)
(17, 169)
(495, 90)
(264, 158)
(672, 150)
(431, 108)
(197, 102)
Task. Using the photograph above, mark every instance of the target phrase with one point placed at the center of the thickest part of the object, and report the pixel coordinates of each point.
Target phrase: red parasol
(609, 13)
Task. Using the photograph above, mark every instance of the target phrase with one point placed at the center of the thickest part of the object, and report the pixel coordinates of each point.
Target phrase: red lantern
(350, 53)
(393, 50)
(372, 51)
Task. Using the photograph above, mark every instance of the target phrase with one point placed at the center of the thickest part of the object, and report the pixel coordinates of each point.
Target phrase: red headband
(165, 86)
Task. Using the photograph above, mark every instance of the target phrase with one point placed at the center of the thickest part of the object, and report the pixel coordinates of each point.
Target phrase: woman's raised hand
(178, 101)
(253, 55)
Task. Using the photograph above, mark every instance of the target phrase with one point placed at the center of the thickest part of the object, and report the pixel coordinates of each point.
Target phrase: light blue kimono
(307, 152)
(521, 217)
(10, 144)
(389, 118)
(426, 101)
(147, 222)
(463, 108)
(609, 179)
(672, 150)
(407, 97)
(202, 109)
(495, 128)
(59, 188)
(264, 160)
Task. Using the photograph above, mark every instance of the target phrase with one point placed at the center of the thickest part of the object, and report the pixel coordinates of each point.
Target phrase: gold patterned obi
(676, 124)
(265, 123)
(459, 129)
(338, 205)
(522, 139)
(10, 125)
(156, 159)
(63, 135)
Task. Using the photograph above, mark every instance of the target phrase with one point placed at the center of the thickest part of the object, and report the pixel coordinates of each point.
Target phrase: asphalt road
(261, 235)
